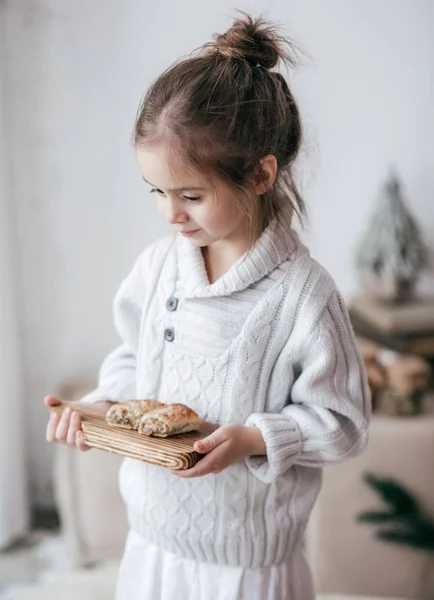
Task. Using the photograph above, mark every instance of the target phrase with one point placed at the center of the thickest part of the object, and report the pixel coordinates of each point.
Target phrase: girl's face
(200, 212)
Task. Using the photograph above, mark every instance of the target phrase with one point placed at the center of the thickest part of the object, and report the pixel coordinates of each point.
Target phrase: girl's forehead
(160, 169)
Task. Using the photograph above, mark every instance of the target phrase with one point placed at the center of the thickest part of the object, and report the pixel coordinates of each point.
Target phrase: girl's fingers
(214, 462)
(203, 467)
(79, 441)
(74, 426)
(65, 427)
(51, 401)
(62, 428)
(52, 427)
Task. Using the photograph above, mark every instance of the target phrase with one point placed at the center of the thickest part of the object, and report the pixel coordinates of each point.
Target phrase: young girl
(232, 317)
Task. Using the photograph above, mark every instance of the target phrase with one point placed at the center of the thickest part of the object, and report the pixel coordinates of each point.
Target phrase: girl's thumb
(209, 443)
(51, 401)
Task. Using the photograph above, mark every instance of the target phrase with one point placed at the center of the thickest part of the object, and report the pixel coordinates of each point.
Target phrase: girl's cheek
(199, 214)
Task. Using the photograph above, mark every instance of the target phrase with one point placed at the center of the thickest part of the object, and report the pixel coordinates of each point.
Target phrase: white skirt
(149, 573)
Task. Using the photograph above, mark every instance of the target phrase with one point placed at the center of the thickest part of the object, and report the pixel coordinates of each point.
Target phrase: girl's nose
(173, 212)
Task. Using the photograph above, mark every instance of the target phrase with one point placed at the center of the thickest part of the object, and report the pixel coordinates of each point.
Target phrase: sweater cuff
(282, 439)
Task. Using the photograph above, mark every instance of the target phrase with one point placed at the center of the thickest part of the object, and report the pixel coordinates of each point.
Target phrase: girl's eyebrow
(178, 189)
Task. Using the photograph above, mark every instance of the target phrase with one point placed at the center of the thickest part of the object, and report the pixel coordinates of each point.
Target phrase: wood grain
(175, 453)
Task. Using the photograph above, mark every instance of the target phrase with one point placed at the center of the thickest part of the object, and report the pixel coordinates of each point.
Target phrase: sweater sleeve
(326, 418)
(117, 375)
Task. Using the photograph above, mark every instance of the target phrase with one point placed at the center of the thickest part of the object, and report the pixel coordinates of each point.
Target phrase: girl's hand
(64, 428)
(225, 446)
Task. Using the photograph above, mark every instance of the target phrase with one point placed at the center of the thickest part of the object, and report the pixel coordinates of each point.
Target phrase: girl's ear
(265, 174)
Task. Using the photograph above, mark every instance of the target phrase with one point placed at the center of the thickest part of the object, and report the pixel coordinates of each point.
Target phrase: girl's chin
(198, 238)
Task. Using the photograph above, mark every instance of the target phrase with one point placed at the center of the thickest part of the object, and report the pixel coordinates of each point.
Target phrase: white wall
(14, 508)
(77, 71)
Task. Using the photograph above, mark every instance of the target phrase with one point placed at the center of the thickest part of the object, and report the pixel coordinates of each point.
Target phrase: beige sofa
(344, 555)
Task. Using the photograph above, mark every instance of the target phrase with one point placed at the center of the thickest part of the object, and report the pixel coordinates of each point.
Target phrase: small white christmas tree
(391, 254)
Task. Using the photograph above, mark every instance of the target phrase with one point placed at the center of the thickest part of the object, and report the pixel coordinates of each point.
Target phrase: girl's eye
(192, 199)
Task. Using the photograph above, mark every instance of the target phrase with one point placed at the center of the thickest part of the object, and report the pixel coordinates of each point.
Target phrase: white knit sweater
(269, 345)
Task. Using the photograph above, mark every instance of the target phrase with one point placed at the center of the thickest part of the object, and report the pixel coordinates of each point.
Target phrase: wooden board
(175, 452)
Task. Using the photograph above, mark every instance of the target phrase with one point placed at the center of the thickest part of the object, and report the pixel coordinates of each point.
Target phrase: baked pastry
(170, 419)
(128, 414)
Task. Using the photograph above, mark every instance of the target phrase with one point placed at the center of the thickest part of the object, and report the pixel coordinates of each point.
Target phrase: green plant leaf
(412, 527)
(372, 516)
(402, 502)
(415, 539)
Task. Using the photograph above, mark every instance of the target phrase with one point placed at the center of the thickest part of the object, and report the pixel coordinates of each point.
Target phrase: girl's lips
(189, 233)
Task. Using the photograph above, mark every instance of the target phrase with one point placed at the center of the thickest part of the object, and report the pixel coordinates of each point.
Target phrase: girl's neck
(220, 257)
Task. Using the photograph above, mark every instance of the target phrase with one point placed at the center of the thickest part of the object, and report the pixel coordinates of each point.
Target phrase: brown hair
(224, 109)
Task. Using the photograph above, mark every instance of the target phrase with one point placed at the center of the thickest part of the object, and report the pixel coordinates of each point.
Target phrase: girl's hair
(225, 109)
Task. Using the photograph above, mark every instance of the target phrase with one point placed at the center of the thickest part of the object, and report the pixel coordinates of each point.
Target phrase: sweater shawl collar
(275, 245)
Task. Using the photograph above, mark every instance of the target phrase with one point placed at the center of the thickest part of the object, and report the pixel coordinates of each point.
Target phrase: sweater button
(172, 303)
(169, 334)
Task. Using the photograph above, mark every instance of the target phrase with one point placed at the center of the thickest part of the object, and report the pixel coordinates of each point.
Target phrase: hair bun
(253, 40)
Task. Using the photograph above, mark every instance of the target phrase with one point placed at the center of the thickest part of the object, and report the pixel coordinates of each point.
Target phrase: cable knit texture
(268, 345)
